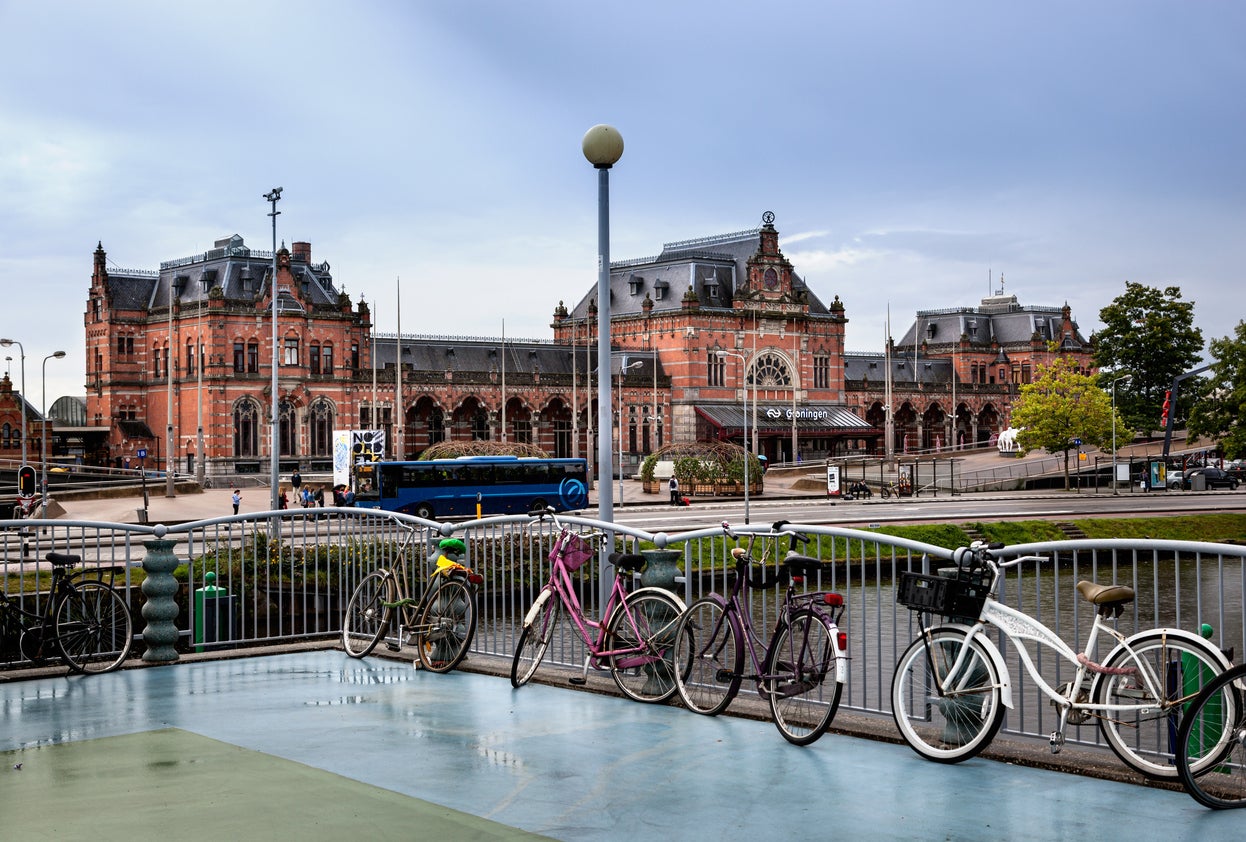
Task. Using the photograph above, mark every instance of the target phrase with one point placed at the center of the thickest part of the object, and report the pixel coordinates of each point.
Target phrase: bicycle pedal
(392, 647)
(578, 680)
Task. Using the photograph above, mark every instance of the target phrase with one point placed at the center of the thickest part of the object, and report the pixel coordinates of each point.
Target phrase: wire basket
(961, 595)
(574, 550)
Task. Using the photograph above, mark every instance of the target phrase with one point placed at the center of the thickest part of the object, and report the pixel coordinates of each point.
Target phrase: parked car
(1212, 478)
(1236, 469)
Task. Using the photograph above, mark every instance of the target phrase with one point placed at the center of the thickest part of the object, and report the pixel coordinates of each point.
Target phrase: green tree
(1147, 333)
(1061, 407)
(1218, 415)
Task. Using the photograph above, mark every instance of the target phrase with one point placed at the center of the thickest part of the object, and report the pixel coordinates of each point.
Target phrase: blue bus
(503, 485)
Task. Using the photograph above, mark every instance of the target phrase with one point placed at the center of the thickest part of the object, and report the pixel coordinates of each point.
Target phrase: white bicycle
(952, 684)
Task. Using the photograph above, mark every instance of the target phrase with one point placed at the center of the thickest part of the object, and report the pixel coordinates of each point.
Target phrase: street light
(274, 196)
(603, 147)
(8, 343)
(622, 372)
(200, 467)
(1115, 490)
(744, 387)
(55, 355)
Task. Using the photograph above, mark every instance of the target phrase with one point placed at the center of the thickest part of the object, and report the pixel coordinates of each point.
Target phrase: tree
(1060, 408)
(1219, 414)
(1149, 334)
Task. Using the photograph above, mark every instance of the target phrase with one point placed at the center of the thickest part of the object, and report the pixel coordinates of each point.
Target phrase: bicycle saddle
(627, 561)
(63, 559)
(803, 564)
(1097, 594)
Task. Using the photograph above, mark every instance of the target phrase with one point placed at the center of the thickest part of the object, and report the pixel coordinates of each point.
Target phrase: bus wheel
(538, 505)
(424, 510)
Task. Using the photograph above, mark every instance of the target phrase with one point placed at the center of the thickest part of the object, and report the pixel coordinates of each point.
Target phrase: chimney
(302, 252)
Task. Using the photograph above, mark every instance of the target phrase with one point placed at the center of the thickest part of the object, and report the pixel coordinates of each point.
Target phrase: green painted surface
(178, 785)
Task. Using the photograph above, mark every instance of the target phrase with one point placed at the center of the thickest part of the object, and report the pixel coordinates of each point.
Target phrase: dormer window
(659, 290)
(635, 285)
(711, 289)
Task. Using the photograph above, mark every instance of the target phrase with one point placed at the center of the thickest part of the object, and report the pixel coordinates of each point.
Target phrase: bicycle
(440, 622)
(949, 684)
(87, 620)
(903, 488)
(1214, 726)
(634, 642)
(806, 646)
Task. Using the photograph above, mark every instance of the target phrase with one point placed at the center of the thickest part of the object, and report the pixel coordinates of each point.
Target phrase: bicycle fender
(992, 651)
(540, 600)
(841, 659)
(1177, 634)
(662, 591)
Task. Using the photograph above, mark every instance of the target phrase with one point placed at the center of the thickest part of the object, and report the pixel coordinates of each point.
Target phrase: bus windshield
(464, 487)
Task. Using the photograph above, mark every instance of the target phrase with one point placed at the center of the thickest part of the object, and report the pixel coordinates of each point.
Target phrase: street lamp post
(44, 451)
(200, 467)
(9, 343)
(272, 197)
(622, 372)
(603, 147)
(1115, 490)
(744, 388)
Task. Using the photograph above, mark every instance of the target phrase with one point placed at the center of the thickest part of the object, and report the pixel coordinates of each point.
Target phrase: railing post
(160, 610)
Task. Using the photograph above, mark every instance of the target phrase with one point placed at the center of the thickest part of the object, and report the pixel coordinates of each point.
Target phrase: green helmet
(452, 546)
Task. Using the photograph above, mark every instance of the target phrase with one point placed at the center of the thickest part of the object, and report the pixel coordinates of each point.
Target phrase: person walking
(673, 485)
(296, 481)
(236, 499)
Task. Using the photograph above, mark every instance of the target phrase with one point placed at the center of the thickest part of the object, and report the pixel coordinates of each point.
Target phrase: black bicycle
(1214, 725)
(83, 620)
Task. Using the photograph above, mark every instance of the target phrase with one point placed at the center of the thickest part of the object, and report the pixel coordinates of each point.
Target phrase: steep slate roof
(929, 370)
(999, 318)
(719, 261)
(241, 273)
(476, 354)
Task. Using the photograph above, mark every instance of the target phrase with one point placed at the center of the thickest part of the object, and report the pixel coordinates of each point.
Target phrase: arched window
(288, 429)
(321, 433)
(770, 369)
(246, 429)
(480, 426)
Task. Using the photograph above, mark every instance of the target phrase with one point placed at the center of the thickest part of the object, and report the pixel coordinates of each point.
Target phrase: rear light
(843, 641)
(800, 580)
(833, 599)
(475, 578)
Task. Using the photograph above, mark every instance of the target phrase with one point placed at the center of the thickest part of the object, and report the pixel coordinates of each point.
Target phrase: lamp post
(54, 355)
(603, 147)
(744, 388)
(1115, 490)
(272, 197)
(9, 343)
(622, 372)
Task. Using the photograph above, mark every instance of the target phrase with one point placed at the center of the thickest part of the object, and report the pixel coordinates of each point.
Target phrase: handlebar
(981, 554)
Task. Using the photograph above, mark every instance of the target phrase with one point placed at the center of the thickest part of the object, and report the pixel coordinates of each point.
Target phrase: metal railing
(285, 576)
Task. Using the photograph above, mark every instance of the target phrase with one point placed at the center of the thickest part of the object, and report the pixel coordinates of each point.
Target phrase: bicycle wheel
(94, 630)
(708, 640)
(447, 625)
(957, 723)
(367, 618)
(800, 684)
(1144, 738)
(643, 636)
(1215, 726)
(534, 640)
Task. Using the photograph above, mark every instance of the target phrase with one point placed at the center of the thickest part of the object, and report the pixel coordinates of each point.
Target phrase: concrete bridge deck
(314, 745)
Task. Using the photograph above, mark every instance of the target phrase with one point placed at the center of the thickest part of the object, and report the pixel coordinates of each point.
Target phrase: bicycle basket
(574, 549)
(961, 595)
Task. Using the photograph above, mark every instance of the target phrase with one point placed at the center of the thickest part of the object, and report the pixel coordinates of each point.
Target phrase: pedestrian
(236, 499)
(673, 485)
(307, 498)
(318, 496)
(349, 497)
(296, 480)
(283, 502)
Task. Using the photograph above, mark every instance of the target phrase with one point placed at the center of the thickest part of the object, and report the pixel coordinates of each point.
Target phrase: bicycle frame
(1019, 627)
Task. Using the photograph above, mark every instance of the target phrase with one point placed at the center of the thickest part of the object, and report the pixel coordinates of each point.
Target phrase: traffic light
(26, 483)
(1163, 418)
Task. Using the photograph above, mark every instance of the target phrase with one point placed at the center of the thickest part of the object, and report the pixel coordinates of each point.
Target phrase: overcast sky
(913, 152)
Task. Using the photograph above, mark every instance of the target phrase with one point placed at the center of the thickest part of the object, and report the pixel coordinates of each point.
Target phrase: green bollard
(1194, 676)
(204, 596)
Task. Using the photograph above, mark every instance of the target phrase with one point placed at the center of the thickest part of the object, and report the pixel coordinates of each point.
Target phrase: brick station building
(708, 337)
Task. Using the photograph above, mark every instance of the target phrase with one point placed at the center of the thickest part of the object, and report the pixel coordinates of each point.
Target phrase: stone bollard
(160, 610)
(660, 572)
